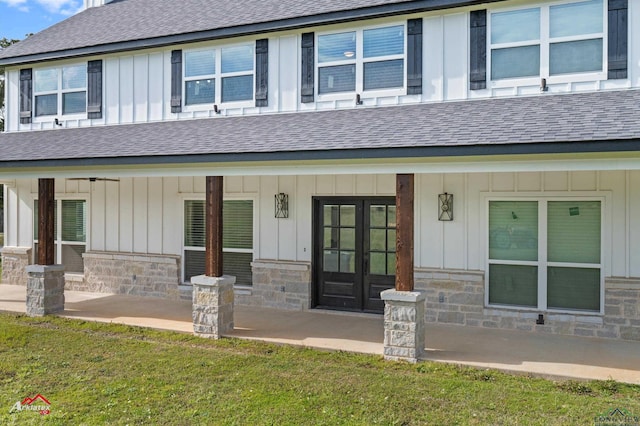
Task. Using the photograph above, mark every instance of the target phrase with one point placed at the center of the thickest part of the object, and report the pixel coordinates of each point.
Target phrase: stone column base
(212, 305)
(404, 325)
(45, 289)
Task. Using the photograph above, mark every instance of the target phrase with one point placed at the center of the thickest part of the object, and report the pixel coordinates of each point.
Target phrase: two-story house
(518, 121)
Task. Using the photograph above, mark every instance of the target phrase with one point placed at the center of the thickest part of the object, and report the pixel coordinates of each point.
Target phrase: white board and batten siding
(145, 215)
(137, 85)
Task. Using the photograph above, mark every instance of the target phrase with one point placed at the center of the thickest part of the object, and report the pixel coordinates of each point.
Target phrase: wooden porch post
(45, 280)
(404, 232)
(46, 221)
(213, 224)
(212, 308)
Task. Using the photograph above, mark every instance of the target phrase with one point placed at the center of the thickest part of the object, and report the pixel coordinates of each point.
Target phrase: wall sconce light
(445, 207)
(57, 122)
(359, 99)
(216, 109)
(543, 85)
(282, 205)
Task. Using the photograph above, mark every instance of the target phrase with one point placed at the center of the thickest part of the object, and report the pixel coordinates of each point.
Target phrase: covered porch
(522, 352)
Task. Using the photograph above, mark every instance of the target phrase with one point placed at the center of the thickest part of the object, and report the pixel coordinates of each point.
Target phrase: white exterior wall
(145, 215)
(137, 86)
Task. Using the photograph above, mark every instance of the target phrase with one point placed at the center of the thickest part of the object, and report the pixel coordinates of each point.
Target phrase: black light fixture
(359, 100)
(445, 207)
(543, 85)
(282, 205)
(216, 109)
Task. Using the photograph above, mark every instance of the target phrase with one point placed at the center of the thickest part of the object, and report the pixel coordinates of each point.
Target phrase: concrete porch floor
(524, 352)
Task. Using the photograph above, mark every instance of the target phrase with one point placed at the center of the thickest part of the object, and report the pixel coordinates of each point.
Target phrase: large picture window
(548, 41)
(61, 90)
(215, 76)
(545, 254)
(361, 60)
(237, 239)
(70, 233)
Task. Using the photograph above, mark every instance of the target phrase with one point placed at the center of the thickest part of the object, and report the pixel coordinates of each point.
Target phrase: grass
(113, 374)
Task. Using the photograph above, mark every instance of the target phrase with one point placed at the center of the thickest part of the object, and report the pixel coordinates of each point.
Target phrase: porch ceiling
(563, 128)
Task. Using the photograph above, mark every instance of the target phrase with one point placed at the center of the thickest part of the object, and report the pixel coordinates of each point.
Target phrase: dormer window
(361, 60)
(60, 90)
(215, 76)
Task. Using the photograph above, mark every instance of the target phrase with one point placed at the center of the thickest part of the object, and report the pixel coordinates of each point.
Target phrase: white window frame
(58, 237)
(542, 263)
(253, 251)
(544, 43)
(60, 93)
(359, 61)
(218, 76)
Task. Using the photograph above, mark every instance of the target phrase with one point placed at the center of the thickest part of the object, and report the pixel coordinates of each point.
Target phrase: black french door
(354, 244)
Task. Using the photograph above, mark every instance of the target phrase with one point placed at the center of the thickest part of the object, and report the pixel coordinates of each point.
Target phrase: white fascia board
(532, 163)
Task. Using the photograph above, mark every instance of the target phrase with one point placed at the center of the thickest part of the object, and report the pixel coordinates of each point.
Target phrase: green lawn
(111, 374)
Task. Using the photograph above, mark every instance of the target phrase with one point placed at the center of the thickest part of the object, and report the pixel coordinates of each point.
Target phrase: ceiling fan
(96, 179)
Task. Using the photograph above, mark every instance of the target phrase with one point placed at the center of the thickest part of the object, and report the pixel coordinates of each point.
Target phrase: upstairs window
(362, 60)
(215, 76)
(548, 41)
(61, 90)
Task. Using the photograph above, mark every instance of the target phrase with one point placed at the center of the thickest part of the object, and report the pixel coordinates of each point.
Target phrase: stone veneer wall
(14, 263)
(457, 297)
(278, 284)
(130, 273)
(622, 307)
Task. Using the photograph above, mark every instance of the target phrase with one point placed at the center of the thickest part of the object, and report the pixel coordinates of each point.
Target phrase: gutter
(425, 152)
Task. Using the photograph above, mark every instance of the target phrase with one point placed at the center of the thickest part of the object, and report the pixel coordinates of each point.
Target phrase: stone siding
(212, 306)
(621, 309)
(278, 284)
(14, 263)
(45, 290)
(130, 273)
(457, 297)
(404, 325)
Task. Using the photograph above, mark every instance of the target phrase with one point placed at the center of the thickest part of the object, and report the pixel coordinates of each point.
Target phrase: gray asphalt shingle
(597, 116)
(131, 20)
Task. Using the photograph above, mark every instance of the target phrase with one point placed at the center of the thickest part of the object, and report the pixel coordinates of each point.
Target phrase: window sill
(61, 119)
(208, 107)
(237, 289)
(550, 80)
(74, 276)
(549, 315)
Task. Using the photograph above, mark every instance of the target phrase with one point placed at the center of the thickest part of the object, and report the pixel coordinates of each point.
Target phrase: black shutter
(26, 94)
(176, 80)
(94, 89)
(414, 56)
(308, 67)
(262, 72)
(478, 50)
(618, 44)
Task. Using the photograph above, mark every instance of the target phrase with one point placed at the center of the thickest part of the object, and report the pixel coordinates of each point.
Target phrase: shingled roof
(588, 122)
(134, 24)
